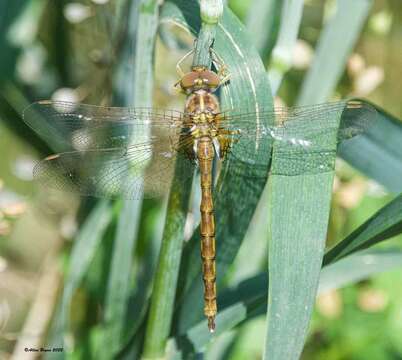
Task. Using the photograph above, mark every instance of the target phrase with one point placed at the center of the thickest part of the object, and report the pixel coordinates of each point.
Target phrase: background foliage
(99, 286)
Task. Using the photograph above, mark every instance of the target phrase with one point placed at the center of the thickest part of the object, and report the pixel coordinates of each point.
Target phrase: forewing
(303, 136)
(72, 126)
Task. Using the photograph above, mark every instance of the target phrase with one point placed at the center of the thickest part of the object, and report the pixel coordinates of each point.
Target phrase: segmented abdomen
(205, 154)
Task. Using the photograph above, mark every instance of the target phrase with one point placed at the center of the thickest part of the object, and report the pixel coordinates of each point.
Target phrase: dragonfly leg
(178, 88)
(225, 142)
(223, 72)
(224, 145)
(178, 65)
(180, 71)
(225, 78)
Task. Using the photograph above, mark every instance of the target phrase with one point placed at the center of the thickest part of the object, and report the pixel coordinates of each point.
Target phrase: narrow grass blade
(83, 251)
(358, 267)
(118, 290)
(55, 334)
(378, 154)
(334, 46)
(248, 89)
(15, 16)
(12, 103)
(262, 23)
(282, 54)
(387, 222)
(139, 44)
(164, 289)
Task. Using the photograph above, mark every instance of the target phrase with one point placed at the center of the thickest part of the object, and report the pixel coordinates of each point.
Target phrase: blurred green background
(65, 50)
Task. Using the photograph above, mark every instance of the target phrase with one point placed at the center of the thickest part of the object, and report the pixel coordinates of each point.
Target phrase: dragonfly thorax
(202, 108)
(202, 102)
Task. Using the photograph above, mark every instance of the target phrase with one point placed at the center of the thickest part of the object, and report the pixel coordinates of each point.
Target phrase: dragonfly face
(200, 78)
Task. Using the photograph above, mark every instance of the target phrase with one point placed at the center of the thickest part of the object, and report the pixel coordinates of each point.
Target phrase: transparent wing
(73, 126)
(356, 118)
(106, 151)
(138, 170)
(109, 151)
(303, 136)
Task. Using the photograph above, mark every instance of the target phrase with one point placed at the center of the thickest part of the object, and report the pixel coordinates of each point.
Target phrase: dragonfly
(131, 152)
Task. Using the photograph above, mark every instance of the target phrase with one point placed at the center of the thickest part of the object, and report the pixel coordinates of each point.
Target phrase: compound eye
(188, 80)
(210, 78)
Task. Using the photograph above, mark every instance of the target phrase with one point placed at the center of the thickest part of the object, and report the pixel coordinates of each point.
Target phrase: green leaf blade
(299, 214)
(338, 37)
(387, 222)
(83, 252)
(282, 54)
(295, 255)
(378, 153)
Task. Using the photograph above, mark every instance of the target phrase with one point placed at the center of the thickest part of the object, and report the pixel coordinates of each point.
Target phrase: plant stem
(211, 11)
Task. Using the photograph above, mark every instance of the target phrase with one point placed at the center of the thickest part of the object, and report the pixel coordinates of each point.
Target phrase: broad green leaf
(267, 12)
(299, 213)
(248, 89)
(249, 298)
(387, 222)
(296, 247)
(254, 245)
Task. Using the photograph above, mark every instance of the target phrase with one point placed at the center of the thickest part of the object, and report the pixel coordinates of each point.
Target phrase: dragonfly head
(200, 78)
